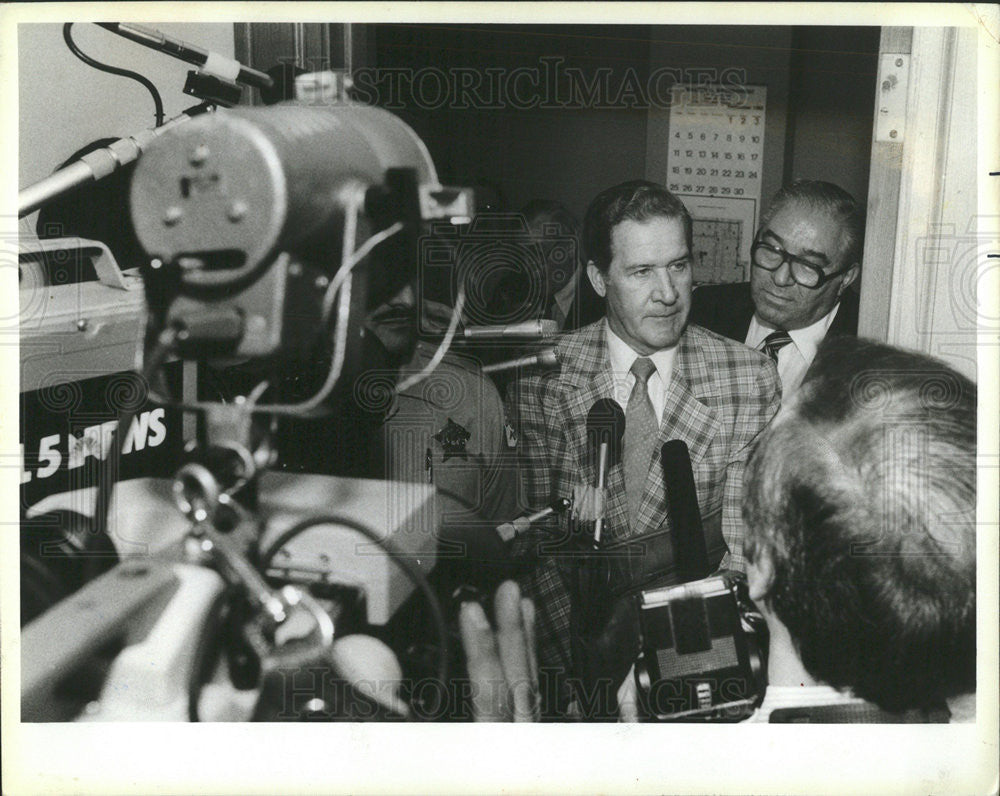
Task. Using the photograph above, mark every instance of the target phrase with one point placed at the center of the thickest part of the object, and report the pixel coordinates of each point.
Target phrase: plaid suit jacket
(720, 397)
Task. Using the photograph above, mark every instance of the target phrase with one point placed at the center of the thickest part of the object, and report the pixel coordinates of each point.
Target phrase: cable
(114, 70)
(341, 283)
(442, 348)
(409, 569)
(107, 476)
(363, 251)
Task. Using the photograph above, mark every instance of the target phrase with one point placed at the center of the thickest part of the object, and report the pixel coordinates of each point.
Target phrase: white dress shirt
(795, 358)
(622, 356)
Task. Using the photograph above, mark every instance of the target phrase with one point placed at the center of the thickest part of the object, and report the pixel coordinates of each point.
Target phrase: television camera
(270, 232)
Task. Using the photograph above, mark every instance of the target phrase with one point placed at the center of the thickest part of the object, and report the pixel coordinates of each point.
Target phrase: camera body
(704, 648)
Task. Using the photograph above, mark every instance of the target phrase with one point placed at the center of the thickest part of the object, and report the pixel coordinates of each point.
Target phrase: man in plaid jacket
(714, 394)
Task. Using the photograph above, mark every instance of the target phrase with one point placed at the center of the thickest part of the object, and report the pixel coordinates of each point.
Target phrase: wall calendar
(714, 164)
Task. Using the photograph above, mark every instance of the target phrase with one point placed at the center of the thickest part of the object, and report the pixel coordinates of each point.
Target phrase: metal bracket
(890, 102)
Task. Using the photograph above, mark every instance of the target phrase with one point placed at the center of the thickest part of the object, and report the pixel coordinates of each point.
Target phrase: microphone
(526, 329)
(215, 64)
(94, 165)
(509, 530)
(690, 551)
(605, 428)
(545, 358)
(369, 666)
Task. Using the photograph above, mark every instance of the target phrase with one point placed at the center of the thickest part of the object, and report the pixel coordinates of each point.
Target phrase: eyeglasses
(771, 258)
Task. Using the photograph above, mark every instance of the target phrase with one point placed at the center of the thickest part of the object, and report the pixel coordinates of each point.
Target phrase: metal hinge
(890, 103)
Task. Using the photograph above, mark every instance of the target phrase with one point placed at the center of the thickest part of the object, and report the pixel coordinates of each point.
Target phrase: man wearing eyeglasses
(805, 256)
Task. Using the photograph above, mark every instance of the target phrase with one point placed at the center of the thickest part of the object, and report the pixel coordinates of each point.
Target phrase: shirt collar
(622, 356)
(806, 340)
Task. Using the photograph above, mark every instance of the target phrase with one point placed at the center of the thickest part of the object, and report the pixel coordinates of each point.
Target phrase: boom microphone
(213, 63)
(690, 551)
(605, 428)
(93, 166)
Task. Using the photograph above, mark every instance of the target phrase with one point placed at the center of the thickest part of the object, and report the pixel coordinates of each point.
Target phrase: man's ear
(849, 279)
(596, 279)
(760, 575)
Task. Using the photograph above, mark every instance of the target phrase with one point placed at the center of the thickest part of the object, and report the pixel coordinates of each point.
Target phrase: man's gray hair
(827, 198)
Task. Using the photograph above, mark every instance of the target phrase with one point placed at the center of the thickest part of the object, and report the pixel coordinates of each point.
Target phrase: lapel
(585, 377)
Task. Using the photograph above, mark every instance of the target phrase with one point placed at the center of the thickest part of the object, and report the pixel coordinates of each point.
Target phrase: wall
(760, 53)
(832, 97)
(820, 82)
(64, 104)
(560, 148)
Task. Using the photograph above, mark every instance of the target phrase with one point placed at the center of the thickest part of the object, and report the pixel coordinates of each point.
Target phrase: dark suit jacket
(727, 310)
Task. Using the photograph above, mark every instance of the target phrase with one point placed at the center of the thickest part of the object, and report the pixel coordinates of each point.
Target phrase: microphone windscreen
(690, 550)
(605, 423)
(369, 666)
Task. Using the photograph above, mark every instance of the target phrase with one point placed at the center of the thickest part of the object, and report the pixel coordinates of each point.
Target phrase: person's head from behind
(860, 505)
(807, 252)
(555, 237)
(637, 237)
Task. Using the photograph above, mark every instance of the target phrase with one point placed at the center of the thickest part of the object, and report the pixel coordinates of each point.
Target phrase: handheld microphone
(526, 329)
(605, 428)
(546, 358)
(690, 550)
(509, 530)
(213, 63)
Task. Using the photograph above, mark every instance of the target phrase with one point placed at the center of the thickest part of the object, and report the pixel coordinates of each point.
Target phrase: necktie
(641, 427)
(774, 342)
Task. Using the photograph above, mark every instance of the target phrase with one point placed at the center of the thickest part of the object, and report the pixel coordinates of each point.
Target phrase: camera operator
(860, 506)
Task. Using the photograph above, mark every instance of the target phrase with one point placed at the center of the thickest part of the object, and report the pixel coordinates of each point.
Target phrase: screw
(899, 62)
(322, 282)
(156, 263)
(892, 134)
(237, 210)
(172, 215)
(82, 324)
(199, 156)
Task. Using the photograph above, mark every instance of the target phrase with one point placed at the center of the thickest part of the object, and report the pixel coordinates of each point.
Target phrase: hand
(502, 665)
(588, 503)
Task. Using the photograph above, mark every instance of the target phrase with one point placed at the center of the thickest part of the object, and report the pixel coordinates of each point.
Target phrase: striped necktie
(641, 428)
(774, 342)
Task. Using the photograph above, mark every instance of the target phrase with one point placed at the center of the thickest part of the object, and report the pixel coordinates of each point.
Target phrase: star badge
(508, 430)
(453, 438)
